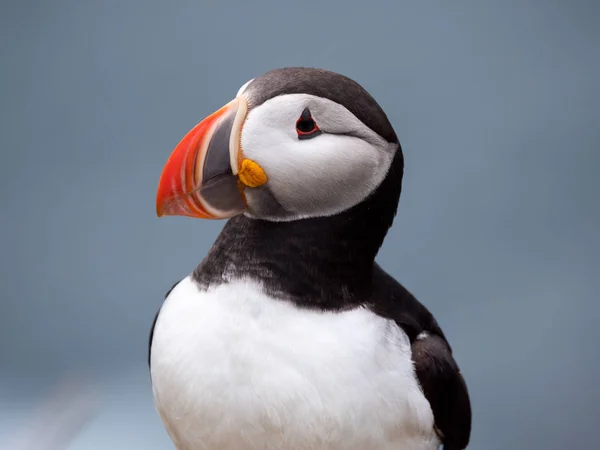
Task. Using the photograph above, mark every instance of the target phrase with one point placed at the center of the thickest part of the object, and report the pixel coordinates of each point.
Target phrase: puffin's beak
(202, 177)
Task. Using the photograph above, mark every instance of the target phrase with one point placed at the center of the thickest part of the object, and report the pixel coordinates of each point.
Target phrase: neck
(324, 263)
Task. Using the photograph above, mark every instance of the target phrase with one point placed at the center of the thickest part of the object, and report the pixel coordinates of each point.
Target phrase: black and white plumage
(288, 335)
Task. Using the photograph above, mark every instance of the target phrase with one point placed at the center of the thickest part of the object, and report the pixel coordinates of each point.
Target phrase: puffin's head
(294, 143)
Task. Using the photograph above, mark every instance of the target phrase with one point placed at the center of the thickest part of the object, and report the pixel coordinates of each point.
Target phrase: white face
(319, 175)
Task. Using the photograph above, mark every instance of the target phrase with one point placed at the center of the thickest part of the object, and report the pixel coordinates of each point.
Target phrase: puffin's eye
(306, 127)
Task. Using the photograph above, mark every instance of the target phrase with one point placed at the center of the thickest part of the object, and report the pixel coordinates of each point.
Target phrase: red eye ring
(306, 127)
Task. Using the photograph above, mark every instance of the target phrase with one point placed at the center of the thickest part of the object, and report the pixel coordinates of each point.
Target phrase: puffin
(288, 335)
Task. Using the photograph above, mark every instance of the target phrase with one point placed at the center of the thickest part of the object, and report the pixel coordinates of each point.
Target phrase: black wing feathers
(435, 367)
(445, 389)
(154, 324)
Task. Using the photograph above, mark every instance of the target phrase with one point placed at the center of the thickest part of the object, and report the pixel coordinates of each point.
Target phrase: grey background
(495, 103)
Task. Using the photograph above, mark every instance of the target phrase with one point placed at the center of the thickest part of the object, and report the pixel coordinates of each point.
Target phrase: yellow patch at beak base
(251, 174)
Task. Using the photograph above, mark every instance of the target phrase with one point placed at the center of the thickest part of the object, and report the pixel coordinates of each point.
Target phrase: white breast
(234, 369)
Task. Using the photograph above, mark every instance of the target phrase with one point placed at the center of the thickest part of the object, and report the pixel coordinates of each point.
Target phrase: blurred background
(496, 105)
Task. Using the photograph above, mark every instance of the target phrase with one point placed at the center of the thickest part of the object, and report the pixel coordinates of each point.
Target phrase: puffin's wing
(154, 323)
(435, 367)
(444, 388)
